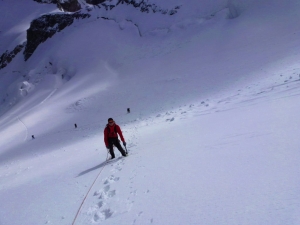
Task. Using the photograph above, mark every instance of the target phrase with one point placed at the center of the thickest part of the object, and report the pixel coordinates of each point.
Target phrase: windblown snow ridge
(143, 5)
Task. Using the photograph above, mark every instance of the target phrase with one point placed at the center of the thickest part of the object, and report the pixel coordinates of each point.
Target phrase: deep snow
(213, 129)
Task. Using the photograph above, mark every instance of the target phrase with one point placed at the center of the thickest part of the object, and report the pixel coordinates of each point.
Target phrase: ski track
(26, 129)
(107, 204)
(18, 119)
(49, 96)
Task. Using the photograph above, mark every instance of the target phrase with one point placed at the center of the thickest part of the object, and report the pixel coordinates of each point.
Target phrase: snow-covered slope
(212, 133)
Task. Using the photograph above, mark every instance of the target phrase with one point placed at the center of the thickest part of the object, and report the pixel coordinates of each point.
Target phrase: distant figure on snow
(128, 110)
(75, 125)
(111, 132)
(32, 136)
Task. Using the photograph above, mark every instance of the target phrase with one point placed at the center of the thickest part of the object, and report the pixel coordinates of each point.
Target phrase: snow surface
(213, 133)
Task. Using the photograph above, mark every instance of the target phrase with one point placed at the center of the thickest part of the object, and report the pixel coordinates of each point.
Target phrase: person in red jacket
(111, 132)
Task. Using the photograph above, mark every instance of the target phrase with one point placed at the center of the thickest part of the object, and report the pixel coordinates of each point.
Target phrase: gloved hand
(124, 143)
(107, 147)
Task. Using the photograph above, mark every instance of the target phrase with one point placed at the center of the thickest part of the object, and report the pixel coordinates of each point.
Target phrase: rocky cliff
(48, 25)
(45, 27)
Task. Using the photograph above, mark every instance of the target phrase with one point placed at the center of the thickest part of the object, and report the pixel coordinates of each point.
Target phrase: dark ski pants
(115, 142)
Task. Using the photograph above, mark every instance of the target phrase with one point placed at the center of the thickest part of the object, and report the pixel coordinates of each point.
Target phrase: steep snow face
(15, 19)
(213, 129)
(200, 50)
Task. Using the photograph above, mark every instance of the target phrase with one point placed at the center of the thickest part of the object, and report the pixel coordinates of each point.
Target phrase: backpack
(108, 130)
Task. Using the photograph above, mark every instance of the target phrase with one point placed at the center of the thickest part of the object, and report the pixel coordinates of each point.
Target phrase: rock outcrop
(63, 5)
(7, 56)
(45, 27)
(142, 5)
(95, 2)
(147, 7)
(69, 5)
(46, 1)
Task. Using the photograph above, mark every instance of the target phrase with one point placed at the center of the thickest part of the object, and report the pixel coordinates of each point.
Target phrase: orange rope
(89, 192)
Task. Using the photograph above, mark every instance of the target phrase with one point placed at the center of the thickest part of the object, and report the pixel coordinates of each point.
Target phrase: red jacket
(112, 131)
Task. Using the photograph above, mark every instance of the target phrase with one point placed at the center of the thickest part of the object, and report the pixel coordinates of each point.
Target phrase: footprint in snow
(170, 120)
(103, 215)
(105, 193)
(116, 169)
(100, 204)
(111, 179)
